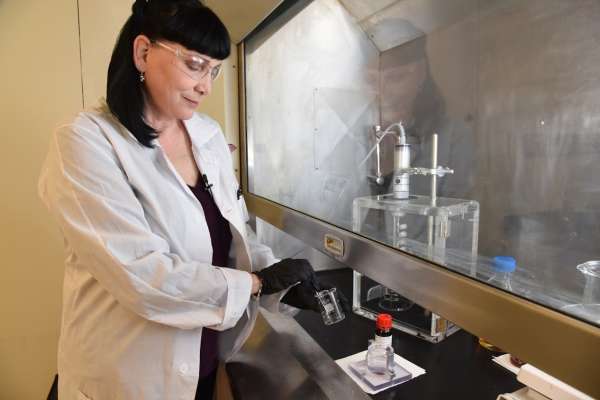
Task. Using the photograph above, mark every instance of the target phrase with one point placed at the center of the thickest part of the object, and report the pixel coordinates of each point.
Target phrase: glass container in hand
(329, 303)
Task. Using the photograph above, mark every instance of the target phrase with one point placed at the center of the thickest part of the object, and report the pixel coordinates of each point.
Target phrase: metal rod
(431, 219)
(377, 137)
(434, 165)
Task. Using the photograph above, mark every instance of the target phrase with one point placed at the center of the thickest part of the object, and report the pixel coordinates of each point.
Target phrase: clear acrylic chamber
(445, 232)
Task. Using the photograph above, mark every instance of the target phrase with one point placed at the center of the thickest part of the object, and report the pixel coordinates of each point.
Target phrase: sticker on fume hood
(333, 245)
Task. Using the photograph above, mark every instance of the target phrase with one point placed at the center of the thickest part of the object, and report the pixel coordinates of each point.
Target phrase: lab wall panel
(44, 81)
(100, 22)
(40, 88)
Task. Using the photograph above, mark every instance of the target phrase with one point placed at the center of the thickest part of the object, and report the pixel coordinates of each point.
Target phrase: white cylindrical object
(401, 183)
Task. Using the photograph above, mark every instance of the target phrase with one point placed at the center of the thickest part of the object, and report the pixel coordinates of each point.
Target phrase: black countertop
(457, 367)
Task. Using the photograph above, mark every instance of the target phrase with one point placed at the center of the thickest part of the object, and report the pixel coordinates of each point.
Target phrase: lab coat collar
(200, 129)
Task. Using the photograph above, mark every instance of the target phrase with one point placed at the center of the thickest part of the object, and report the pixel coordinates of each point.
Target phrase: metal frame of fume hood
(565, 347)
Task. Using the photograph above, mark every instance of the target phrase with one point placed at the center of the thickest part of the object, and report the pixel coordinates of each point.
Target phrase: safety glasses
(194, 66)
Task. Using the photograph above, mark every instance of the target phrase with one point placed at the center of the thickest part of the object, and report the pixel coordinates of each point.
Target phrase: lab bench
(289, 358)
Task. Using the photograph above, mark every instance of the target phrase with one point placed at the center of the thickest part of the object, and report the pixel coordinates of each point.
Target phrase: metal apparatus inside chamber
(402, 168)
(420, 225)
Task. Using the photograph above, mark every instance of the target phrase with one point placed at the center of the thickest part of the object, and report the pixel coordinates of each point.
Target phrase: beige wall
(241, 17)
(43, 83)
(100, 23)
(40, 86)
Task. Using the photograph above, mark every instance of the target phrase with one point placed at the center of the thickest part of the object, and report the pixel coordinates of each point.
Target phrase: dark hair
(187, 22)
(429, 107)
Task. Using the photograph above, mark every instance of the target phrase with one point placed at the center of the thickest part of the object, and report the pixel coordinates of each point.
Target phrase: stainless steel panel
(281, 361)
(287, 246)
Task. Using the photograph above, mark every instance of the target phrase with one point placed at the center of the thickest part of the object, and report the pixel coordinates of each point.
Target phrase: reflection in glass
(392, 301)
(511, 89)
(407, 316)
(589, 308)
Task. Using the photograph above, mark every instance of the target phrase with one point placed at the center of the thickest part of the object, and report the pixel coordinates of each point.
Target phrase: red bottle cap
(384, 322)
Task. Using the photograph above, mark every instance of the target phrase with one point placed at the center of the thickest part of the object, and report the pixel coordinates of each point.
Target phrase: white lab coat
(139, 285)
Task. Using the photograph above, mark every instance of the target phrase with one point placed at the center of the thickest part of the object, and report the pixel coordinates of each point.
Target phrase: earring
(142, 77)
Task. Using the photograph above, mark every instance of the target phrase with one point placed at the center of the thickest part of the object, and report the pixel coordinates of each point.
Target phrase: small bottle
(380, 354)
(504, 266)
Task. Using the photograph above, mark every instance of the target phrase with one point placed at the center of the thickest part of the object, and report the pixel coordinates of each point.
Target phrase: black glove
(303, 296)
(284, 274)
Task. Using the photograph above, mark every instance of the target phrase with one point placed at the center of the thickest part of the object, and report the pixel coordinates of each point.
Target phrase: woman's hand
(284, 274)
(256, 284)
(303, 296)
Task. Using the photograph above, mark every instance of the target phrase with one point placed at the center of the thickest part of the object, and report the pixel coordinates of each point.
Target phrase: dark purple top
(220, 239)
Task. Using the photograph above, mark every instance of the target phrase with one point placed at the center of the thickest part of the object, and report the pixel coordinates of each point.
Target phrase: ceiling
(388, 23)
(241, 17)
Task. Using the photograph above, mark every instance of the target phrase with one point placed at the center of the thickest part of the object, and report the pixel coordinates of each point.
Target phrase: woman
(412, 96)
(158, 255)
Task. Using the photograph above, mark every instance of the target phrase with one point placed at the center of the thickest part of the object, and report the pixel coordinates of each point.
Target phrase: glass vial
(380, 354)
(329, 303)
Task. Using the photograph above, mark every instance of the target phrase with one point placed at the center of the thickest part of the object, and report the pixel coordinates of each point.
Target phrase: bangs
(197, 28)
